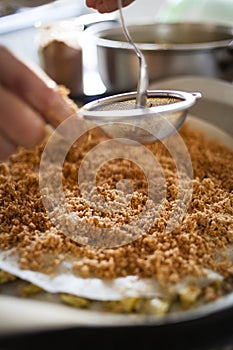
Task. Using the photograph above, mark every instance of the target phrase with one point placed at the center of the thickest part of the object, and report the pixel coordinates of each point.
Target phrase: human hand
(27, 103)
(104, 6)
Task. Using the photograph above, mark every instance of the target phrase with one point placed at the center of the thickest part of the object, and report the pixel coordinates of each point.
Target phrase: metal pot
(170, 49)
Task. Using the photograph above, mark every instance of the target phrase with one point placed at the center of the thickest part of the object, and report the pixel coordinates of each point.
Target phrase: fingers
(105, 6)
(19, 124)
(41, 95)
(27, 102)
(6, 148)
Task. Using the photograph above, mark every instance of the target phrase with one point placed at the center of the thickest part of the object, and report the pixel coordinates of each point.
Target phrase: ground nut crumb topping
(201, 241)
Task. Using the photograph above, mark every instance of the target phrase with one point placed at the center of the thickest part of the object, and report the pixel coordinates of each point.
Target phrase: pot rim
(100, 29)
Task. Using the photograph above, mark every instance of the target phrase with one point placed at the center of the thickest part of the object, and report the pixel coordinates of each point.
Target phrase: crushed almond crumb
(199, 242)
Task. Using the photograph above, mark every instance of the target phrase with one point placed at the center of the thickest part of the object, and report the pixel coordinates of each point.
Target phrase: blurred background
(18, 23)
(21, 22)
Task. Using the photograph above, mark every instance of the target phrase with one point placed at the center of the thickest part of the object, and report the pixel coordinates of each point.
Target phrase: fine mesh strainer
(163, 115)
(143, 116)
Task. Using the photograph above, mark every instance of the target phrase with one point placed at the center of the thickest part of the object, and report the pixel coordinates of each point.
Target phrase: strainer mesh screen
(130, 104)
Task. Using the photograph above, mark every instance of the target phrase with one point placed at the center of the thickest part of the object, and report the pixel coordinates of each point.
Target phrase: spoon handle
(143, 80)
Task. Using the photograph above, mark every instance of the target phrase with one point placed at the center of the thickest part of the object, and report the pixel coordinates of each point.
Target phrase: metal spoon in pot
(143, 80)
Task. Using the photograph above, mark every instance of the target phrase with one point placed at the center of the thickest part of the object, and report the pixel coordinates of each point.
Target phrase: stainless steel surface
(143, 79)
(164, 114)
(15, 26)
(26, 3)
(12, 6)
(170, 49)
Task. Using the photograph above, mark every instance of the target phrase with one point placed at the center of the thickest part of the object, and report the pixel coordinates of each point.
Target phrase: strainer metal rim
(89, 111)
